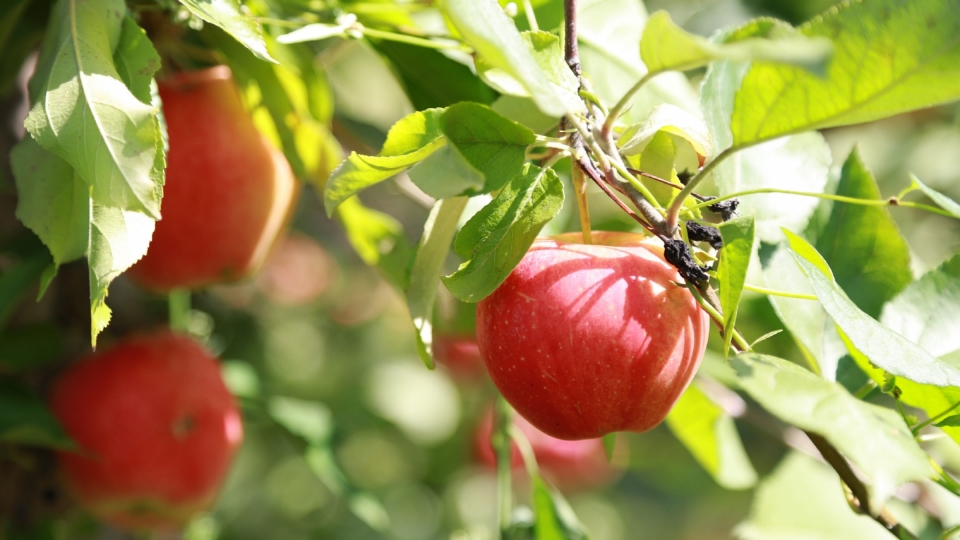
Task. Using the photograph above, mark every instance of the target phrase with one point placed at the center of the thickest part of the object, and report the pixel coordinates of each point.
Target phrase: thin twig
(570, 52)
(861, 500)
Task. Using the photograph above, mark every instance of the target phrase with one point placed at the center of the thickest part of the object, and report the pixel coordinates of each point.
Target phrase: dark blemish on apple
(183, 426)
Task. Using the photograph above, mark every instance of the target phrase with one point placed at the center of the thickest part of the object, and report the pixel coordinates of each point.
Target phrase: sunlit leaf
(53, 201)
(548, 53)
(683, 126)
(884, 347)
(874, 438)
(425, 275)
(491, 143)
(869, 258)
(609, 31)
(785, 506)
(492, 34)
(498, 236)
(942, 200)
(798, 163)
(118, 238)
(710, 435)
(315, 32)
(409, 141)
(446, 173)
(734, 261)
(229, 15)
(432, 79)
(879, 69)
(370, 232)
(554, 518)
(665, 46)
(83, 112)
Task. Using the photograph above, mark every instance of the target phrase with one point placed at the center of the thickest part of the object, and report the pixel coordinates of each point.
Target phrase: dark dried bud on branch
(678, 254)
(697, 232)
(726, 209)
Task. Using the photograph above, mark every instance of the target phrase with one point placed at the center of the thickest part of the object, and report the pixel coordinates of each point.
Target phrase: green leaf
(25, 419)
(118, 239)
(136, 60)
(927, 312)
(22, 24)
(862, 245)
(884, 347)
(499, 235)
(942, 200)
(227, 15)
(316, 32)
(26, 348)
(710, 435)
(879, 70)
(734, 260)
(805, 319)
(658, 158)
(438, 233)
(311, 420)
(53, 201)
(608, 32)
(409, 141)
(83, 112)
(874, 438)
(432, 79)
(548, 53)
(522, 110)
(494, 37)
(370, 232)
(491, 143)
(682, 126)
(16, 281)
(802, 499)
(446, 173)
(799, 163)
(555, 520)
(667, 47)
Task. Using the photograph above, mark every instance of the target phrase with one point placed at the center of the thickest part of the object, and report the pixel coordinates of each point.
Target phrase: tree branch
(860, 499)
(571, 54)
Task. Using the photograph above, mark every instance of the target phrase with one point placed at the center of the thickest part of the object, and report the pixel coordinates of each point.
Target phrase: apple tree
(722, 259)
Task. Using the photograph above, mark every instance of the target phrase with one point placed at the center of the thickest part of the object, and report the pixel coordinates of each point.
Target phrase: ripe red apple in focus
(460, 354)
(584, 340)
(227, 195)
(156, 430)
(568, 465)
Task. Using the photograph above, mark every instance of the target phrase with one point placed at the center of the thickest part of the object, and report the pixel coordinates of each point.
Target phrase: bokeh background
(348, 436)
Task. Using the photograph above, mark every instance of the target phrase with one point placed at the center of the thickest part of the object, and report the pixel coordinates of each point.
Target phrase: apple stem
(500, 441)
(580, 188)
(178, 304)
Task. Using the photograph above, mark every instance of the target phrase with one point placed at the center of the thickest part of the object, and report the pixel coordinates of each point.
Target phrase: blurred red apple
(584, 340)
(568, 465)
(460, 354)
(298, 271)
(227, 195)
(156, 430)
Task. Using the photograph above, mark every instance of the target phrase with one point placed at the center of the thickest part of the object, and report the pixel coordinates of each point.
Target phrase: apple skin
(568, 465)
(228, 193)
(584, 340)
(460, 354)
(156, 430)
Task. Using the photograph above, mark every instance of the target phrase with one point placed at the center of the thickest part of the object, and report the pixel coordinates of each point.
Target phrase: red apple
(228, 193)
(585, 340)
(568, 465)
(460, 354)
(156, 430)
